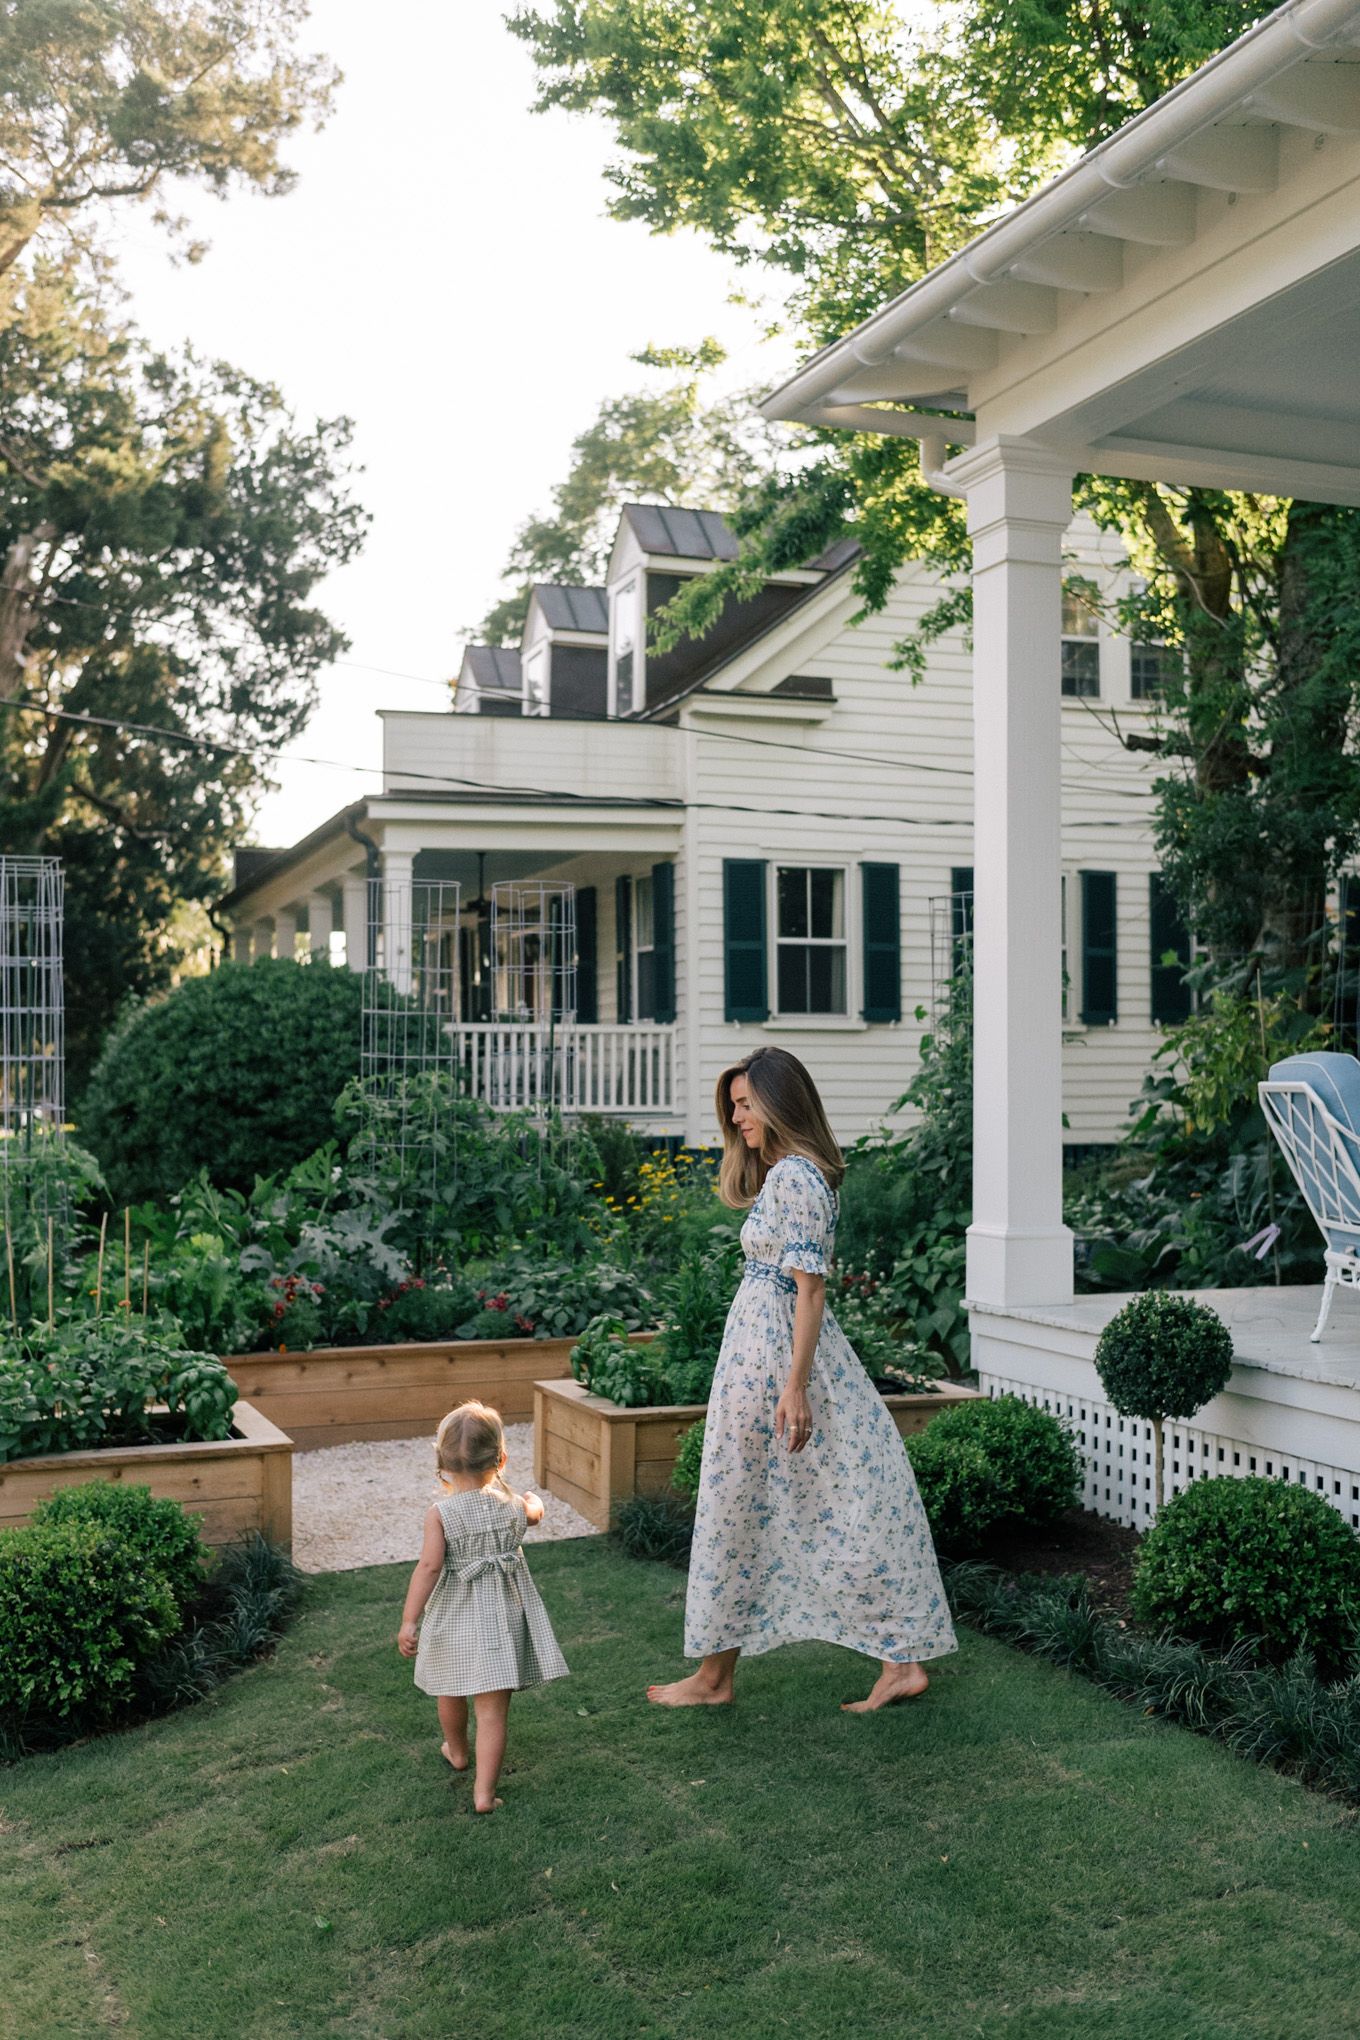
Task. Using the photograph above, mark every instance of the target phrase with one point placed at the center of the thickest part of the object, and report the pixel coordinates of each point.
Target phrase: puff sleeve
(805, 1213)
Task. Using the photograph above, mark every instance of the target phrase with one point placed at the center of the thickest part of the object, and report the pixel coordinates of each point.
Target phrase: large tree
(163, 527)
(841, 147)
(107, 100)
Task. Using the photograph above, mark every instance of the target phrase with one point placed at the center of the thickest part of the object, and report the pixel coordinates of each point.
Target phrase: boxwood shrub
(81, 1616)
(156, 1532)
(990, 1465)
(1232, 1559)
(1164, 1355)
(688, 1461)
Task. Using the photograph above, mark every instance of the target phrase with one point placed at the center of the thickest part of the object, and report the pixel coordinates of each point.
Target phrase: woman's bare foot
(894, 1683)
(488, 1807)
(455, 1753)
(698, 1690)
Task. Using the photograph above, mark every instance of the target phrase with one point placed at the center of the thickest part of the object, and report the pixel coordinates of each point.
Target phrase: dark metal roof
(681, 534)
(249, 861)
(495, 668)
(571, 608)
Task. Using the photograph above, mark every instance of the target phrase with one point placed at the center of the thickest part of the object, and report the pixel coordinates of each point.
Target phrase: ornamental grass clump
(1163, 1356)
(992, 1465)
(1252, 1559)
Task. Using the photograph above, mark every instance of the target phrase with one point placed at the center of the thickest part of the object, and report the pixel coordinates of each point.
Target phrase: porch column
(1019, 506)
(285, 933)
(354, 914)
(397, 907)
(320, 921)
(241, 941)
(262, 940)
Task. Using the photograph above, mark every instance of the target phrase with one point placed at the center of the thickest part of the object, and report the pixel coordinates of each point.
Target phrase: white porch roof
(1182, 304)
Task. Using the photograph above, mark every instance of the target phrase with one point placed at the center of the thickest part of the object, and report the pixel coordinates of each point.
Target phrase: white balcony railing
(522, 1067)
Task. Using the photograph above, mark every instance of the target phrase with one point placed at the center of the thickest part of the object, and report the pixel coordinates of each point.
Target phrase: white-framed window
(811, 960)
(536, 681)
(1080, 648)
(644, 948)
(1150, 667)
(623, 635)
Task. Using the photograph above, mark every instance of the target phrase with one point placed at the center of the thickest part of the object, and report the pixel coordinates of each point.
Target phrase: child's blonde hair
(470, 1439)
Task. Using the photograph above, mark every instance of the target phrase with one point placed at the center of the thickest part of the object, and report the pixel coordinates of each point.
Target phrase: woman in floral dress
(809, 1524)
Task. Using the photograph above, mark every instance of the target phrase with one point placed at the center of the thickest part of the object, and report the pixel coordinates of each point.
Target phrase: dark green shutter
(1099, 950)
(1170, 945)
(745, 972)
(881, 892)
(587, 957)
(623, 948)
(663, 941)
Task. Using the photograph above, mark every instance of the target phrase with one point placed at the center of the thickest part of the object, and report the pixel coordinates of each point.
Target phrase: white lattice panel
(1117, 1454)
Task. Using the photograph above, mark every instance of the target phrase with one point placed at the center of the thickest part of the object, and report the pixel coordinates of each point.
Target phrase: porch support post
(320, 921)
(241, 940)
(354, 912)
(397, 910)
(1019, 506)
(285, 933)
(262, 940)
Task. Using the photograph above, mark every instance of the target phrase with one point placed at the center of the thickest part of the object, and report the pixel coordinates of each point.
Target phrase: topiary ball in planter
(1164, 1356)
(1252, 1558)
(988, 1464)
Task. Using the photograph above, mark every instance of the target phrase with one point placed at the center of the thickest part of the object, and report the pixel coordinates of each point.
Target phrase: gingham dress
(485, 1628)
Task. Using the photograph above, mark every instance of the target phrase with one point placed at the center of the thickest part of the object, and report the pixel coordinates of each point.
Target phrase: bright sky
(443, 273)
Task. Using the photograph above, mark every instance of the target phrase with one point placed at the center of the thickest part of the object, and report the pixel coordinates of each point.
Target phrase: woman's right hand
(793, 1418)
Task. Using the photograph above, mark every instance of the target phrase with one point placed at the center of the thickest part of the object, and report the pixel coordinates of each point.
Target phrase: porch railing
(515, 1066)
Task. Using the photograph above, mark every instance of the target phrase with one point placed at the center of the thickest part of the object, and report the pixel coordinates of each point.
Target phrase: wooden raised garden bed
(341, 1395)
(237, 1485)
(594, 1454)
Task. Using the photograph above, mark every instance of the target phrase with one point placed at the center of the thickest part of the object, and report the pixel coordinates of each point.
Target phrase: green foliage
(87, 1382)
(689, 1461)
(526, 1297)
(627, 1372)
(236, 1073)
(169, 523)
(992, 1464)
(658, 1527)
(695, 1300)
(866, 1313)
(46, 1177)
(418, 1309)
(1254, 1559)
(155, 1532)
(1164, 1356)
(907, 1199)
(81, 1615)
(106, 103)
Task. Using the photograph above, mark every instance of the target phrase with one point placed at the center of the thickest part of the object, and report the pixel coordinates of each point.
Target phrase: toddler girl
(486, 1632)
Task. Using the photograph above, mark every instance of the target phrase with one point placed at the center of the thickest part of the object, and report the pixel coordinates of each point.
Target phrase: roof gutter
(1259, 58)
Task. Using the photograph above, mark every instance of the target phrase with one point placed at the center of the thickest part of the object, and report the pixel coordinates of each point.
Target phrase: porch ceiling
(1183, 304)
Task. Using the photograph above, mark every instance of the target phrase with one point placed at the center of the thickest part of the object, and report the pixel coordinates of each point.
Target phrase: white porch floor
(1291, 1410)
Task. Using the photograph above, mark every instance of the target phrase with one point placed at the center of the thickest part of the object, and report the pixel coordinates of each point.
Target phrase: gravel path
(365, 1504)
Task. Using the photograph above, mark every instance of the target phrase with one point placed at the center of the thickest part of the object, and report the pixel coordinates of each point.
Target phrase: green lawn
(1017, 1855)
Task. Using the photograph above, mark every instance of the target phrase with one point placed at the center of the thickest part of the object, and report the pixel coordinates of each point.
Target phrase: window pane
(642, 910)
(793, 979)
(827, 919)
(826, 980)
(1152, 666)
(793, 900)
(646, 985)
(1080, 667)
(1078, 618)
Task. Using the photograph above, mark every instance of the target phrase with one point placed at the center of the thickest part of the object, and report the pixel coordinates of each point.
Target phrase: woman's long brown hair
(794, 1119)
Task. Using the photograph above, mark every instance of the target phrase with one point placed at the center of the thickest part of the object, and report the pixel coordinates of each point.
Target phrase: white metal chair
(1312, 1106)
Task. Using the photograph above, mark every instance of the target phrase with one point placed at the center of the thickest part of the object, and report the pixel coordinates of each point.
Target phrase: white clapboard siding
(905, 796)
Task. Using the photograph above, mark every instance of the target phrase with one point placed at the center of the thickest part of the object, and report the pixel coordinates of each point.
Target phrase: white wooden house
(769, 834)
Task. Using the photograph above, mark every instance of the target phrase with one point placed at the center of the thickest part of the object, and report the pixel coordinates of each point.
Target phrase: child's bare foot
(486, 1806)
(455, 1752)
(894, 1683)
(698, 1690)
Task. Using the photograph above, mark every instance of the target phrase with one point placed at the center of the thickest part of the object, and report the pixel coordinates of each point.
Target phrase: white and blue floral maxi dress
(828, 1544)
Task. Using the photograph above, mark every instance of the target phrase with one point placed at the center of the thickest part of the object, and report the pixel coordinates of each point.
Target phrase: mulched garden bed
(1079, 1542)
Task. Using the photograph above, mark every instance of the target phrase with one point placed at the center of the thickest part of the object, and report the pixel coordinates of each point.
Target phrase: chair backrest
(1312, 1106)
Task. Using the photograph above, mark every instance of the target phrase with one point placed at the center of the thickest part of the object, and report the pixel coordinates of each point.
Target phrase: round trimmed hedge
(689, 1461)
(81, 1617)
(1230, 1558)
(237, 1072)
(992, 1465)
(1164, 1356)
(155, 1532)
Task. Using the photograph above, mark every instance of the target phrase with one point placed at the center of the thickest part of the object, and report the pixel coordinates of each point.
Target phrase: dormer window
(623, 624)
(536, 681)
